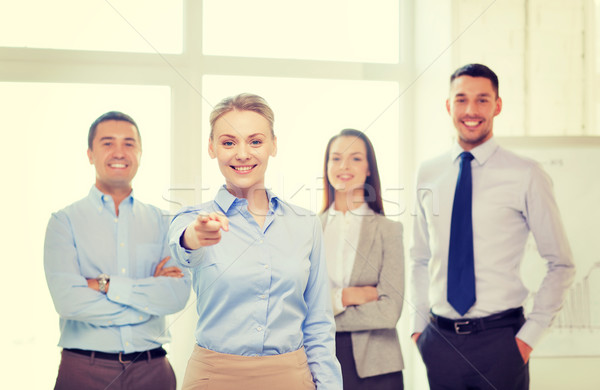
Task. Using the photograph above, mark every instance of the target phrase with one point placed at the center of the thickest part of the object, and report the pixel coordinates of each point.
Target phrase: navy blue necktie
(461, 270)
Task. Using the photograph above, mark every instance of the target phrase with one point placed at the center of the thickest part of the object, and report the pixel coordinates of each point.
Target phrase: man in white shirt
(468, 323)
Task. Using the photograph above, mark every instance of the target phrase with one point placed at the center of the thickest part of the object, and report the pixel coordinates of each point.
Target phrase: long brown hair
(372, 183)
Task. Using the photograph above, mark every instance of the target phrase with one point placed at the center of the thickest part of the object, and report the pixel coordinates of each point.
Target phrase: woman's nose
(242, 152)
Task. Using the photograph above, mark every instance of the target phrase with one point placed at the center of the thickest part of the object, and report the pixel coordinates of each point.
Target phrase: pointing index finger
(224, 222)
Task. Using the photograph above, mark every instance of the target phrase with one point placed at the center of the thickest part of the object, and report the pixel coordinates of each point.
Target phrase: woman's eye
(227, 143)
(255, 142)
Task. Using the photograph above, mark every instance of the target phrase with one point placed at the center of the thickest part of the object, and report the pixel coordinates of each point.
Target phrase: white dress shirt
(341, 240)
(512, 196)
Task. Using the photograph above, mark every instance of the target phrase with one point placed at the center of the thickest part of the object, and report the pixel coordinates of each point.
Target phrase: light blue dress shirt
(262, 291)
(86, 239)
(512, 196)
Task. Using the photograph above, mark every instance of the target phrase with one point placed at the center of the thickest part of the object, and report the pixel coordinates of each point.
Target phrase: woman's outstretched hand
(204, 231)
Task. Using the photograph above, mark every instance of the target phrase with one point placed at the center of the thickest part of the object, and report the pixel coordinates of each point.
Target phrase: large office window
(335, 30)
(137, 26)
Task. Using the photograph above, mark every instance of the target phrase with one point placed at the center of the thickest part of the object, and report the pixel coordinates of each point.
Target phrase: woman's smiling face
(347, 165)
(242, 143)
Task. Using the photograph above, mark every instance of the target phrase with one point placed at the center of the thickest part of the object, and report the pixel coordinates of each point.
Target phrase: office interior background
(381, 67)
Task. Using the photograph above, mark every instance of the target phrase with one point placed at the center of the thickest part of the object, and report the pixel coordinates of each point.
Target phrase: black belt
(503, 319)
(122, 357)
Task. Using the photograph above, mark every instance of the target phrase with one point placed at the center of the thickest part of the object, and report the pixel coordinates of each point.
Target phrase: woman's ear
(274, 151)
(211, 150)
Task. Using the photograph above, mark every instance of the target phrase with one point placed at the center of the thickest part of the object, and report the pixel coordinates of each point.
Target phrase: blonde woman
(265, 319)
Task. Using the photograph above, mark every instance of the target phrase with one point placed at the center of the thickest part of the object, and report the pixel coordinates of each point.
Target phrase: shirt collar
(361, 211)
(102, 200)
(225, 200)
(481, 153)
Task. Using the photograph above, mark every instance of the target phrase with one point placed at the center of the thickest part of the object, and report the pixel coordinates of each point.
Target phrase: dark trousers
(488, 359)
(77, 372)
(343, 351)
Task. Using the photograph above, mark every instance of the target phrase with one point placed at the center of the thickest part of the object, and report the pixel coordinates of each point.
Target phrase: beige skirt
(207, 369)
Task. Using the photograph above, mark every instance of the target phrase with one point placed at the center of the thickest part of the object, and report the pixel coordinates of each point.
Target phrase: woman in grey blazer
(365, 261)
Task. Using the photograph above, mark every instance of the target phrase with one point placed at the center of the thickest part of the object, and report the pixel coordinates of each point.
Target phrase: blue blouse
(262, 291)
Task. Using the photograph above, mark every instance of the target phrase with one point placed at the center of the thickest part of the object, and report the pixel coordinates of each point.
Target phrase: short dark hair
(110, 116)
(477, 70)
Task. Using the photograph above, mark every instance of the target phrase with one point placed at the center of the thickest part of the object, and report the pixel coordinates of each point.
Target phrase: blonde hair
(242, 102)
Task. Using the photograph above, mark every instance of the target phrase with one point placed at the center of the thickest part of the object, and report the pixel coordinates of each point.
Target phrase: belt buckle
(121, 359)
(458, 324)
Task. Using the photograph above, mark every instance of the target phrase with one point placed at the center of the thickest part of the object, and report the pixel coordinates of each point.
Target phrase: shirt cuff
(184, 257)
(336, 301)
(420, 320)
(531, 333)
(120, 289)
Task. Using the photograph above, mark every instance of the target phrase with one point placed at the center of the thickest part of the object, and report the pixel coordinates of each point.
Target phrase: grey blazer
(379, 262)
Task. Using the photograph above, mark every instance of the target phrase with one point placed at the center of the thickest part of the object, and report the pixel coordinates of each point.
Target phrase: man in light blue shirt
(109, 274)
(486, 343)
